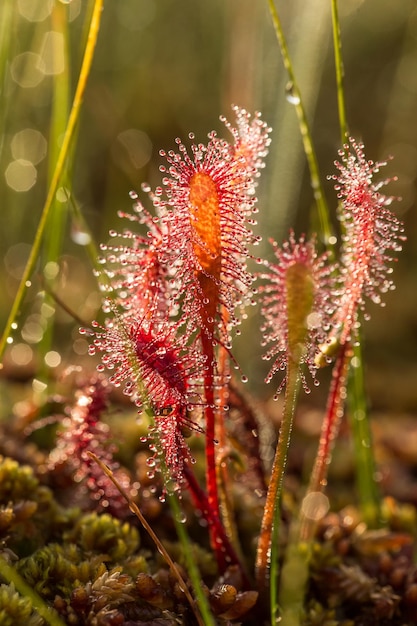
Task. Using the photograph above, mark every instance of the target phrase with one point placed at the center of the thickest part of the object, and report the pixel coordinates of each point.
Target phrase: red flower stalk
(84, 431)
(179, 287)
(297, 305)
(209, 200)
(204, 216)
(372, 235)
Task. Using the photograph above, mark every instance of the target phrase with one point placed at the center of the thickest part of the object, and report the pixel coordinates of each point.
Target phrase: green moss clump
(106, 535)
(16, 610)
(58, 569)
(17, 482)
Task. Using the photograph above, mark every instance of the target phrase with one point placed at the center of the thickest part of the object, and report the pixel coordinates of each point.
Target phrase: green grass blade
(337, 44)
(55, 228)
(59, 169)
(7, 572)
(6, 32)
(192, 568)
(294, 97)
(369, 495)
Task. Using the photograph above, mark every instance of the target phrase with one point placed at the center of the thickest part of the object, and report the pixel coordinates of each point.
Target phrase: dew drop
(244, 379)
(291, 96)
(181, 517)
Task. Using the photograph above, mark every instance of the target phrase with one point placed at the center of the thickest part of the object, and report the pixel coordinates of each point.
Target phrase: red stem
(225, 552)
(329, 431)
(211, 468)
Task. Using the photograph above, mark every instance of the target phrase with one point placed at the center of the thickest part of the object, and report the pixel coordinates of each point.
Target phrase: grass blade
(59, 169)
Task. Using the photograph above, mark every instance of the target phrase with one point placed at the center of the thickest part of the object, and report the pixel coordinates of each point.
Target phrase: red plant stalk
(371, 235)
(187, 280)
(209, 201)
(226, 553)
(205, 217)
(328, 435)
(224, 481)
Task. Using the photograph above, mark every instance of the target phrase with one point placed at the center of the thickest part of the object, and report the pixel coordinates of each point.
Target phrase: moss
(104, 534)
(17, 482)
(16, 610)
(58, 569)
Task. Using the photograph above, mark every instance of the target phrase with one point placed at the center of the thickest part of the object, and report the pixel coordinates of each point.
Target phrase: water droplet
(244, 379)
(291, 94)
(181, 517)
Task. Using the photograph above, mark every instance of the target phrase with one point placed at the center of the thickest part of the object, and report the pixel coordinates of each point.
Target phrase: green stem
(59, 168)
(294, 578)
(7, 572)
(337, 43)
(268, 544)
(368, 491)
(192, 568)
(294, 97)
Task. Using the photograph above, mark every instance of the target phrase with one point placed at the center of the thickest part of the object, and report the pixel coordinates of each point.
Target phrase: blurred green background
(163, 68)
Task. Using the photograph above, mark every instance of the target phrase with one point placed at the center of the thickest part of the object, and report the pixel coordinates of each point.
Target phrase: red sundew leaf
(208, 201)
(372, 237)
(83, 431)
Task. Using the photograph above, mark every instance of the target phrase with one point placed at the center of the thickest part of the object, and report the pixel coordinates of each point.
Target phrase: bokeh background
(163, 68)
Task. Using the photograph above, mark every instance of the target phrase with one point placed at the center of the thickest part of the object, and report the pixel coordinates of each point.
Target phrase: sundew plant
(143, 493)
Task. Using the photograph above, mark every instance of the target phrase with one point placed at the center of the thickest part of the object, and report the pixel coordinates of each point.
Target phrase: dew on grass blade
(291, 96)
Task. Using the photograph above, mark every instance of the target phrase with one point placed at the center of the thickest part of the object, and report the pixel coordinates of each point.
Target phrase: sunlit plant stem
(267, 551)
